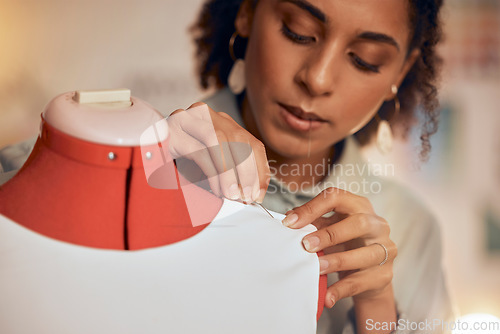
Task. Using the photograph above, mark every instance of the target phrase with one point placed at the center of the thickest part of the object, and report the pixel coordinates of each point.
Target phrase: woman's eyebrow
(317, 13)
(378, 37)
(313, 10)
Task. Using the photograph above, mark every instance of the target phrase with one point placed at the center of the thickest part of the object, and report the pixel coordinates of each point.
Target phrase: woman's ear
(404, 70)
(243, 21)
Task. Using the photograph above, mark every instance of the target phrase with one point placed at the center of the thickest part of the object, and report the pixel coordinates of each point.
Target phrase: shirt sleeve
(422, 298)
(13, 157)
(350, 327)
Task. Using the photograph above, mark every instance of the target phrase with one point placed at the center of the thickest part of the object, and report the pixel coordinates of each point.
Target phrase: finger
(330, 199)
(250, 157)
(235, 168)
(201, 130)
(189, 137)
(225, 165)
(252, 175)
(175, 112)
(263, 170)
(226, 116)
(359, 225)
(174, 132)
(201, 110)
(203, 160)
(375, 279)
(197, 104)
(323, 222)
(204, 131)
(360, 258)
(191, 124)
(246, 168)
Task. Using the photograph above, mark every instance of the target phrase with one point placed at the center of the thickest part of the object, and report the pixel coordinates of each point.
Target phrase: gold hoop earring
(236, 79)
(231, 45)
(385, 138)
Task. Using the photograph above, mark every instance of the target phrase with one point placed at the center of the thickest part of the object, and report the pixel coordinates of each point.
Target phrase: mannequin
(84, 181)
(83, 197)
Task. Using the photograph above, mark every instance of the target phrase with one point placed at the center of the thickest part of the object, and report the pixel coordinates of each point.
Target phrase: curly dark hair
(418, 92)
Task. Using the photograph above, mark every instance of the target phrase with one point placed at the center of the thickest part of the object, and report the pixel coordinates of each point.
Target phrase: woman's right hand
(232, 159)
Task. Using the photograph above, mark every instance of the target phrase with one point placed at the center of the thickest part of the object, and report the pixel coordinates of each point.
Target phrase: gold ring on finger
(386, 253)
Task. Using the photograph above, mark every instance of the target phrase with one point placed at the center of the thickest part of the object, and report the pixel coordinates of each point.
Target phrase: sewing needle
(262, 206)
(309, 141)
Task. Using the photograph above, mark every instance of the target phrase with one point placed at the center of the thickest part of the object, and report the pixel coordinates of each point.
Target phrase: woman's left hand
(351, 240)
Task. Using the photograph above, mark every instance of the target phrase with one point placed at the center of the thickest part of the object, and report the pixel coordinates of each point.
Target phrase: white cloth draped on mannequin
(244, 273)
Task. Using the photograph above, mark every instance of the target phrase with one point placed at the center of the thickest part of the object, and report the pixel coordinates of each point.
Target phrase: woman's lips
(300, 120)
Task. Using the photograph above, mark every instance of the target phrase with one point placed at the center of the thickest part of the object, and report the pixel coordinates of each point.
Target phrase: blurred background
(53, 46)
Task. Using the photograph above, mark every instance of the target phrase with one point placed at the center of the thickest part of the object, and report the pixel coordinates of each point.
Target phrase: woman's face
(318, 70)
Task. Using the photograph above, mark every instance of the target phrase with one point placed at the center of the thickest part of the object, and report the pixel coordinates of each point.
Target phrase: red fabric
(323, 286)
(71, 191)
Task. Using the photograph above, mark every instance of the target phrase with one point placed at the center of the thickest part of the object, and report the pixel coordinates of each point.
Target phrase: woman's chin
(285, 144)
(291, 148)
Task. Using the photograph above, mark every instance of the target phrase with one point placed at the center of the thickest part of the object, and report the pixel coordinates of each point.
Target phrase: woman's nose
(318, 73)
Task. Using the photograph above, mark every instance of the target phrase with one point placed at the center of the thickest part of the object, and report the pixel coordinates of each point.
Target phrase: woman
(319, 77)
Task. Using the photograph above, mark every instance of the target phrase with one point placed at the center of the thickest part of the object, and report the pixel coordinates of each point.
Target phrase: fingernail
(311, 243)
(290, 219)
(332, 300)
(262, 194)
(247, 193)
(323, 265)
(234, 192)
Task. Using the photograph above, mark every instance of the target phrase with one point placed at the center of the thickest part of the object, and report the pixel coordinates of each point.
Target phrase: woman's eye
(363, 65)
(296, 37)
(301, 39)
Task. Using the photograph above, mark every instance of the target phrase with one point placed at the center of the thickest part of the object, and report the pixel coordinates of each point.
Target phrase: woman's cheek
(363, 112)
(273, 62)
(259, 69)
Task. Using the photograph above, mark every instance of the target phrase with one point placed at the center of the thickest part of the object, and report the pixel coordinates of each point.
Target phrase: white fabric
(244, 273)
